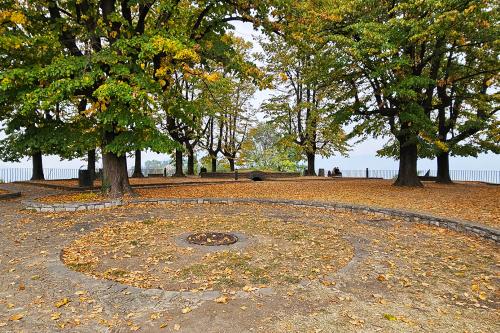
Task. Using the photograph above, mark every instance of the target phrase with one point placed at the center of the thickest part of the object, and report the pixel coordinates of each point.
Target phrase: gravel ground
(400, 278)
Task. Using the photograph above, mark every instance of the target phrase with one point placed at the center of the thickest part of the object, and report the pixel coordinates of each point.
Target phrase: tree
(236, 119)
(213, 139)
(230, 99)
(120, 57)
(29, 129)
(464, 118)
(302, 110)
(263, 150)
(392, 60)
(137, 165)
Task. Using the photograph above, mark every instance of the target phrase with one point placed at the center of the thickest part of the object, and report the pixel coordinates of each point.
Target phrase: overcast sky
(361, 156)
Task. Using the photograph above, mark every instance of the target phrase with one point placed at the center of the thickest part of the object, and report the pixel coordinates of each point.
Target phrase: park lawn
(473, 201)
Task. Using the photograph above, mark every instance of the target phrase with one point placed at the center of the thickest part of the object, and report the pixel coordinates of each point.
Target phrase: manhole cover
(212, 238)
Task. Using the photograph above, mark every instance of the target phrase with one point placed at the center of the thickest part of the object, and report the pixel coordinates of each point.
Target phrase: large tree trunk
(91, 163)
(115, 175)
(214, 164)
(138, 165)
(37, 162)
(408, 175)
(231, 163)
(115, 181)
(443, 168)
(178, 164)
(311, 164)
(190, 170)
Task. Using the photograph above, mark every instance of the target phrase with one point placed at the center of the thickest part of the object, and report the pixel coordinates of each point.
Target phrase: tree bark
(115, 181)
(311, 164)
(190, 166)
(214, 164)
(231, 163)
(91, 163)
(408, 154)
(115, 175)
(178, 164)
(37, 162)
(443, 168)
(138, 165)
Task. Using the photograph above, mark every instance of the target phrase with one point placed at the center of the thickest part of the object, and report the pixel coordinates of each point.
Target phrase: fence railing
(147, 171)
(490, 176)
(22, 174)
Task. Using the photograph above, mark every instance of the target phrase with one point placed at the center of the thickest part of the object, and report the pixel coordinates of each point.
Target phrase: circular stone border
(482, 231)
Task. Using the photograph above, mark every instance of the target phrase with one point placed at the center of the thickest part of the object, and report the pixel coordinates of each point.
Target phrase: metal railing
(169, 170)
(8, 175)
(488, 176)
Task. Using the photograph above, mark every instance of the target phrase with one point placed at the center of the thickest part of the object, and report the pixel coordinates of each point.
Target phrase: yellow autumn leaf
(187, 309)
(55, 316)
(212, 77)
(249, 288)
(222, 300)
(16, 317)
(62, 302)
(390, 317)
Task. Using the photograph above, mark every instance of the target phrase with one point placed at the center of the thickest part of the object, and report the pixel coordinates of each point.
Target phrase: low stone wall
(427, 178)
(456, 225)
(59, 186)
(10, 195)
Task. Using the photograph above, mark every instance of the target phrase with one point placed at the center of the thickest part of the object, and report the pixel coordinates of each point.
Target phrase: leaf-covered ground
(277, 251)
(385, 275)
(143, 181)
(472, 201)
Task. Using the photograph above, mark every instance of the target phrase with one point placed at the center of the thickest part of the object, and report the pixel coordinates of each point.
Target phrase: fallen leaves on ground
(472, 201)
(147, 254)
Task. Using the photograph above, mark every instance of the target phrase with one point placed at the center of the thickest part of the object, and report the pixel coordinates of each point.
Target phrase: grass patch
(81, 267)
(116, 273)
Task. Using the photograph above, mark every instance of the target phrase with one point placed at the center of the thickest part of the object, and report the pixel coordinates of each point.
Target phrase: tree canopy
(169, 75)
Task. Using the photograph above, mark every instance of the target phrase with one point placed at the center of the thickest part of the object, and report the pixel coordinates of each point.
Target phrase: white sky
(361, 156)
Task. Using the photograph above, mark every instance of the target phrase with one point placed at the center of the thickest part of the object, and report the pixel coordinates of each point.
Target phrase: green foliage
(304, 112)
(263, 150)
(421, 72)
(100, 69)
(155, 164)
